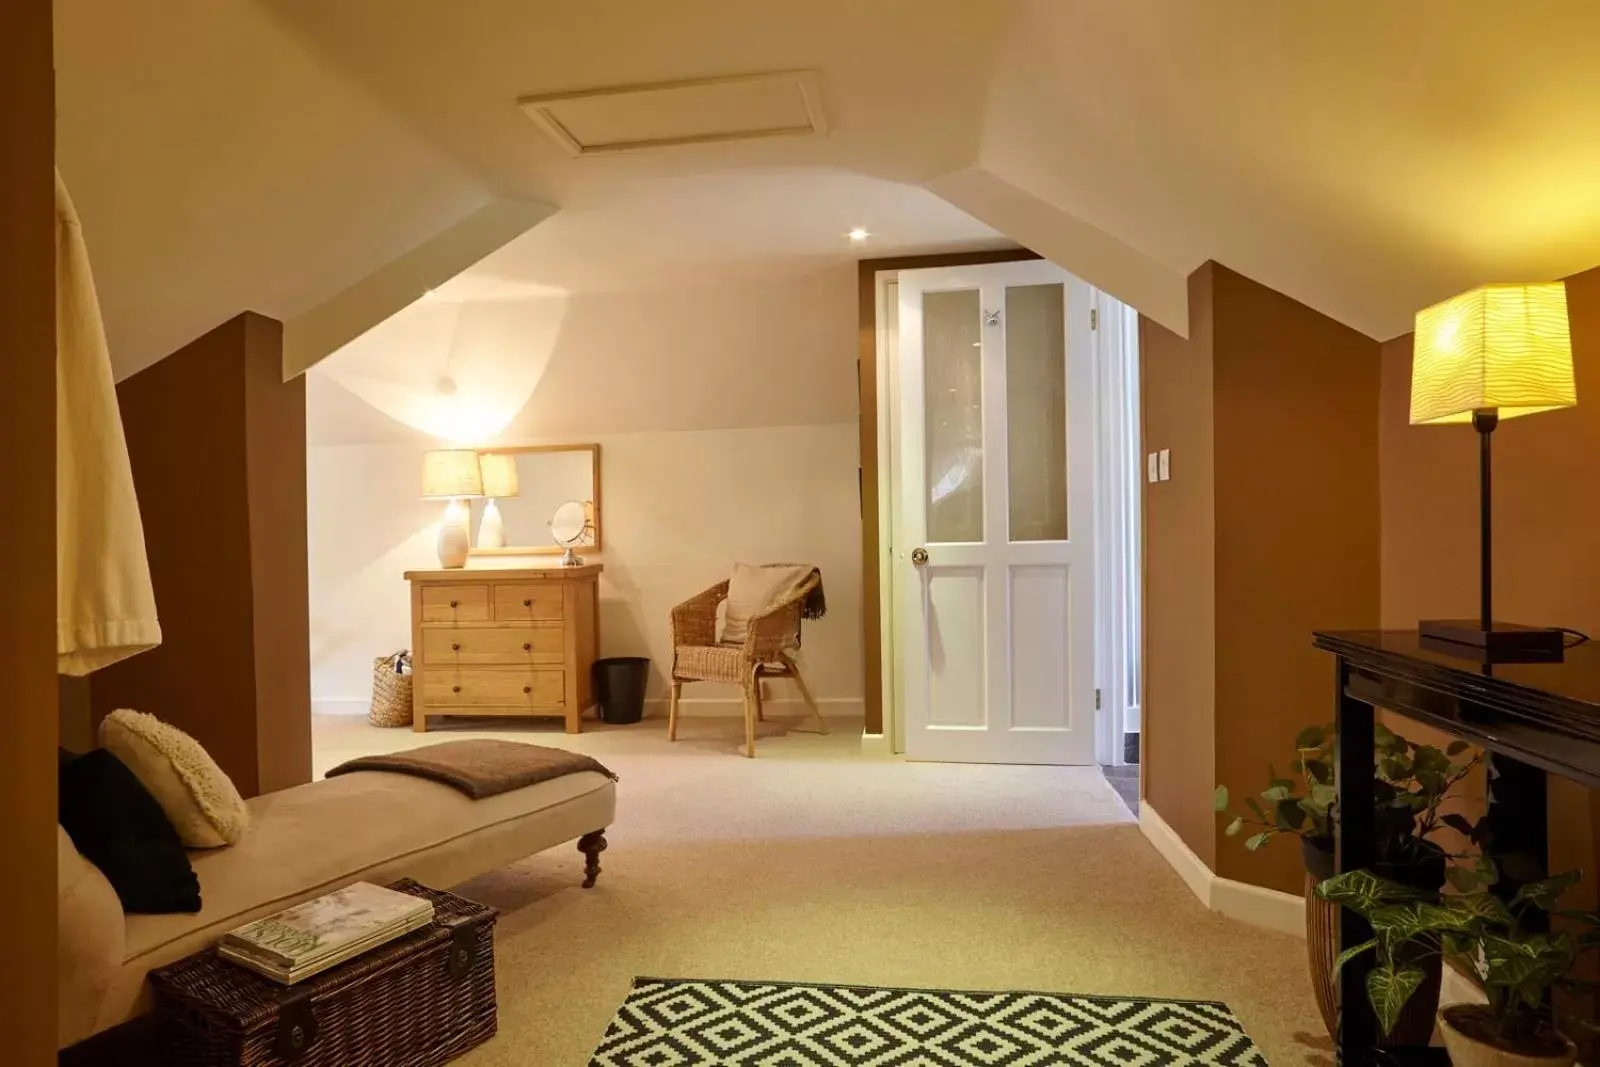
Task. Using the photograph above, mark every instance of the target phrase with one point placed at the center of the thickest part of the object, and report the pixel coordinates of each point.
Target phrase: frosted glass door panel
(953, 414)
(1036, 411)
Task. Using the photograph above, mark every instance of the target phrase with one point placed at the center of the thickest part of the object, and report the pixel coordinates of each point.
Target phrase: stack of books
(309, 938)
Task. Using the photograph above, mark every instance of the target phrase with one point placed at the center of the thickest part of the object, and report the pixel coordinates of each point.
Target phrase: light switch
(1153, 468)
(1165, 464)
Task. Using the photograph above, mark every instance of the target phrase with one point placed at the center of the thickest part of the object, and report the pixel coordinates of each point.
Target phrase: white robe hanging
(105, 606)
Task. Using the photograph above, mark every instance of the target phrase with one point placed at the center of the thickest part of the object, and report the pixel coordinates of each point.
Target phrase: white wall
(727, 424)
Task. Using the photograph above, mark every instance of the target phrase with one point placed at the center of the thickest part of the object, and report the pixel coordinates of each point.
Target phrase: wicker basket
(391, 690)
(422, 999)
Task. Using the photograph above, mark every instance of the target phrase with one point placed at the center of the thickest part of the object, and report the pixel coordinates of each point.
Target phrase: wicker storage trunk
(420, 1000)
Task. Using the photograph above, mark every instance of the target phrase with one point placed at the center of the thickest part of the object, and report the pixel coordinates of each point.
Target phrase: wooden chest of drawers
(503, 641)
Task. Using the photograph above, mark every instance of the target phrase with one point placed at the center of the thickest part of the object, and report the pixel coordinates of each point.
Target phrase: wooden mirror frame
(593, 501)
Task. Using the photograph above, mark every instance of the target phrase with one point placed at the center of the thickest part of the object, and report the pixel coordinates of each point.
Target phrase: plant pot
(1322, 930)
(1468, 1051)
(1415, 1026)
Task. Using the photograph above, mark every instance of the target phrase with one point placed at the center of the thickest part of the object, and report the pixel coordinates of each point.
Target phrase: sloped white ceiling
(219, 166)
(1366, 157)
(902, 81)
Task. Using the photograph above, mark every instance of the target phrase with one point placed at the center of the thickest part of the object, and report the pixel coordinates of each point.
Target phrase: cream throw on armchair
(105, 607)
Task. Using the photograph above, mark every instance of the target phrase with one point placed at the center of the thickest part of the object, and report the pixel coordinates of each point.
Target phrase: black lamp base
(1505, 642)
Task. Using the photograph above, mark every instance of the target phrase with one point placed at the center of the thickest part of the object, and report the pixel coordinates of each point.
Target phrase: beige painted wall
(727, 424)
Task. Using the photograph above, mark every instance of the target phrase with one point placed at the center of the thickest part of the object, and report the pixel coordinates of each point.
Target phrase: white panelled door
(992, 541)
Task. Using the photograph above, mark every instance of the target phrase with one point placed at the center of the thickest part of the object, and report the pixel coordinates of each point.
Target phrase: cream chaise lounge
(304, 842)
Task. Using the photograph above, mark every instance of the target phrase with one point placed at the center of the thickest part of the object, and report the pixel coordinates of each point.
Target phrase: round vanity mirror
(568, 527)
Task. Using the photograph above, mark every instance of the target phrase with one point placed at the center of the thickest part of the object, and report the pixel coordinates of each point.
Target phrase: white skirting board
(783, 707)
(877, 746)
(1268, 908)
(1252, 904)
(340, 706)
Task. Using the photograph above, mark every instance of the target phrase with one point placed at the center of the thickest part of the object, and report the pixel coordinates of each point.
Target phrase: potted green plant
(1508, 944)
(1413, 781)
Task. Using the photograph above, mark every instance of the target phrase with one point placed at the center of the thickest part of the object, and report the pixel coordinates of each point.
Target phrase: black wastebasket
(619, 687)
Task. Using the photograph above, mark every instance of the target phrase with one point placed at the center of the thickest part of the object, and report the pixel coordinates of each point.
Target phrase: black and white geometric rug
(667, 1022)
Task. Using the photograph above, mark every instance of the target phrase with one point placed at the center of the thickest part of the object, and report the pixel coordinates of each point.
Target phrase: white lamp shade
(1505, 347)
(449, 473)
(499, 471)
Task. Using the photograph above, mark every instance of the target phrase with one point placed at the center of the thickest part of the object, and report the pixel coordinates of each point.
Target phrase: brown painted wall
(27, 536)
(1296, 412)
(217, 443)
(1179, 695)
(275, 425)
(1267, 530)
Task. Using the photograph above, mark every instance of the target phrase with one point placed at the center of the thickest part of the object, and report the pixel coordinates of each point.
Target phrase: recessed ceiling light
(858, 234)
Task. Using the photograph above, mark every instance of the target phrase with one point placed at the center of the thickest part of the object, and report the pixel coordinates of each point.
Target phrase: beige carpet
(813, 863)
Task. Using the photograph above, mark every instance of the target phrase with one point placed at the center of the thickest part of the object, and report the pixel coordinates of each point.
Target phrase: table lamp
(452, 474)
(499, 471)
(1496, 352)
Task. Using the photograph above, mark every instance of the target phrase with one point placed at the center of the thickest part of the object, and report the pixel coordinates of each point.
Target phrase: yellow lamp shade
(1505, 347)
(499, 474)
(451, 472)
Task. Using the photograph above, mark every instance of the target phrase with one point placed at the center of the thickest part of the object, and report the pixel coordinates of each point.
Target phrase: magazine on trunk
(311, 937)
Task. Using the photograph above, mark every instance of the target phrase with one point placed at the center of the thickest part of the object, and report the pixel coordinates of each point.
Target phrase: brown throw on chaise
(481, 768)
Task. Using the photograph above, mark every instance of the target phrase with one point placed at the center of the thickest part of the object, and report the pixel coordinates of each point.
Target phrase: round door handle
(919, 556)
(456, 647)
(527, 689)
(455, 689)
(527, 646)
(527, 603)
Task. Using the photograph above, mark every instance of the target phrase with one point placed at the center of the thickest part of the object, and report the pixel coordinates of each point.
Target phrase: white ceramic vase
(454, 536)
(1470, 1052)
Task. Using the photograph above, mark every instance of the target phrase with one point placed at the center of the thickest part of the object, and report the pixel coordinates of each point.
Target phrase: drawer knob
(527, 646)
(455, 646)
(455, 689)
(527, 689)
(527, 603)
(455, 603)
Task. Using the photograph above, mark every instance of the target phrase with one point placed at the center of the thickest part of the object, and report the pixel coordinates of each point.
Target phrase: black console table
(1533, 718)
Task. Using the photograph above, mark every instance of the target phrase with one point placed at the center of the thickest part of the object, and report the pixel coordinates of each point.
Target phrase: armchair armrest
(777, 629)
(694, 622)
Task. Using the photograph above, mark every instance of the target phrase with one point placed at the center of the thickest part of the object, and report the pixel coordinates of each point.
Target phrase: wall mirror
(528, 485)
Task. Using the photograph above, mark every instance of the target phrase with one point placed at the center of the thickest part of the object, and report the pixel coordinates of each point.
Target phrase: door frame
(1119, 472)
(873, 398)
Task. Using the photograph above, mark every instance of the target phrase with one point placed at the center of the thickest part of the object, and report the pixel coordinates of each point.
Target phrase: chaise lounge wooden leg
(591, 845)
(672, 711)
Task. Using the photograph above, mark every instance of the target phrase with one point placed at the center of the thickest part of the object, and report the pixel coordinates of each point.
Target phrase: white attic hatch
(626, 118)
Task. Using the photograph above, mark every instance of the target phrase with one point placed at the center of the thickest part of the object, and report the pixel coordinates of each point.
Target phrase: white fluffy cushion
(197, 796)
(752, 590)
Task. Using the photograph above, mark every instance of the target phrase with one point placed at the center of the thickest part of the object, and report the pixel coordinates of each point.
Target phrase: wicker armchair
(697, 656)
